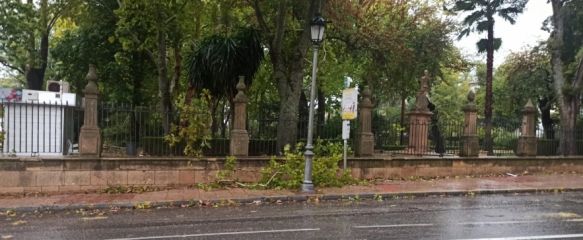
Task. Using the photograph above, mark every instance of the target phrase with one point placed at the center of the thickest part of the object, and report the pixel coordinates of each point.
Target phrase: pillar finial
(471, 96)
(241, 97)
(91, 87)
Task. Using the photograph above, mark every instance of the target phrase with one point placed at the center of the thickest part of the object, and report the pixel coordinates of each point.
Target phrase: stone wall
(18, 175)
(80, 174)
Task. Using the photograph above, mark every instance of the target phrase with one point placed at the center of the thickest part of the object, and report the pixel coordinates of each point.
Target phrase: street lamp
(317, 26)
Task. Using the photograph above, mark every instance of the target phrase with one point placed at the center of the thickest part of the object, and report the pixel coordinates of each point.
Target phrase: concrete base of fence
(527, 146)
(90, 141)
(239, 145)
(470, 147)
(365, 144)
(20, 175)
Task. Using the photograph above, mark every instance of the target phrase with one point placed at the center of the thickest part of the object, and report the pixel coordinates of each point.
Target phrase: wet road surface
(512, 216)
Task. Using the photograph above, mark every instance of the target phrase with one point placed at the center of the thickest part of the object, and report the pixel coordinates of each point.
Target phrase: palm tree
(216, 63)
(481, 19)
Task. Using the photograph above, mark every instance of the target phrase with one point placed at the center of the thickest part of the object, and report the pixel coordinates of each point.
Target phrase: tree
(218, 61)
(160, 21)
(21, 23)
(567, 67)
(395, 41)
(450, 95)
(526, 75)
(481, 19)
(216, 64)
(93, 41)
(279, 21)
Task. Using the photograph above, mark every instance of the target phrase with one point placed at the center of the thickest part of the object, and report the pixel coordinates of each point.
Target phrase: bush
(194, 128)
(289, 172)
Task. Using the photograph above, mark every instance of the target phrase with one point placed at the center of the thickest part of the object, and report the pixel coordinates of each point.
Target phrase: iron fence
(33, 128)
(263, 133)
(132, 130)
(393, 137)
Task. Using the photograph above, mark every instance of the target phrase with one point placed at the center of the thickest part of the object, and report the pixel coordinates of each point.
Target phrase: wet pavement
(498, 216)
(418, 187)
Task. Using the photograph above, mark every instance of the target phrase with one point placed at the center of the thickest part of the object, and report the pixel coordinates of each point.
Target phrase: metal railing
(137, 130)
(33, 128)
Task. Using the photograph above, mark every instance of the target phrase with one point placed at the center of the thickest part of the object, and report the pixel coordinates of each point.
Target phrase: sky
(525, 32)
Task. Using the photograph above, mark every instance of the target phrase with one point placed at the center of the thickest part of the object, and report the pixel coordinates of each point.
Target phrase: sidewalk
(189, 196)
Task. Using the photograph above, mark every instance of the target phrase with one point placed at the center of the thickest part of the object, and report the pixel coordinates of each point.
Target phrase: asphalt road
(523, 216)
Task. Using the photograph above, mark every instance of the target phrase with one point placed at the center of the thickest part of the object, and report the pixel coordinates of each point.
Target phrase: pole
(345, 152)
(345, 136)
(307, 185)
(345, 130)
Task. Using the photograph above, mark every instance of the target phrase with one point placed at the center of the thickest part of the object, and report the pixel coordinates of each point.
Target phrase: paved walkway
(450, 186)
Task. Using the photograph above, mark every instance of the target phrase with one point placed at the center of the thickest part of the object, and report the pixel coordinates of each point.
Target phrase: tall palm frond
(217, 61)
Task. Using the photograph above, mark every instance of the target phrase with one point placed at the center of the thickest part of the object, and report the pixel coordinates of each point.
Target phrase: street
(511, 216)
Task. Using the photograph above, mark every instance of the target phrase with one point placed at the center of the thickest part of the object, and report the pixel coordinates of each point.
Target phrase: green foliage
(450, 95)
(228, 170)
(523, 75)
(194, 127)
(117, 125)
(217, 61)
(289, 172)
(17, 19)
(505, 139)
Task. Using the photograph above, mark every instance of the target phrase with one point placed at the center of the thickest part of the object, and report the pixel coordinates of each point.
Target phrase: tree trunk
(304, 111)
(175, 83)
(137, 70)
(488, 141)
(34, 78)
(289, 89)
(320, 122)
(568, 106)
(288, 66)
(35, 71)
(567, 145)
(546, 120)
(163, 83)
(402, 122)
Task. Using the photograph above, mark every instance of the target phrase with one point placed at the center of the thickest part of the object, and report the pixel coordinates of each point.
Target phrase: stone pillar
(90, 136)
(471, 145)
(527, 141)
(364, 136)
(420, 120)
(239, 138)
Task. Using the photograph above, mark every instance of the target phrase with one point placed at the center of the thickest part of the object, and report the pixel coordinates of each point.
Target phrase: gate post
(419, 120)
(90, 135)
(471, 145)
(527, 141)
(365, 138)
(239, 145)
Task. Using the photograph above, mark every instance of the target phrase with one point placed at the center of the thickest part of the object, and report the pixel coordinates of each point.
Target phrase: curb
(291, 198)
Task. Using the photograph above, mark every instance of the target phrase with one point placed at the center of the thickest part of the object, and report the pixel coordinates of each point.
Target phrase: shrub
(194, 125)
(289, 172)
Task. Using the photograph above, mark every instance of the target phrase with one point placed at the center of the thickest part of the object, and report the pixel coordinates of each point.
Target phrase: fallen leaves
(18, 223)
(94, 218)
(143, 205)
(11, 213)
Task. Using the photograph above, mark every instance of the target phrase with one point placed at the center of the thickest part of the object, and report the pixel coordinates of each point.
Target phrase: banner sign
(349, 103)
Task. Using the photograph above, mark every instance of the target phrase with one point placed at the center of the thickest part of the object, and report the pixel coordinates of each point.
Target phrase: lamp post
(317, 29)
